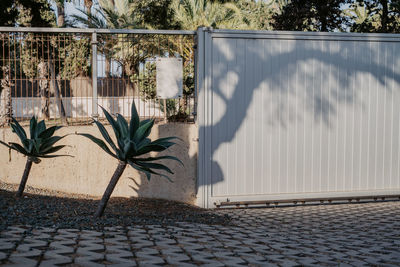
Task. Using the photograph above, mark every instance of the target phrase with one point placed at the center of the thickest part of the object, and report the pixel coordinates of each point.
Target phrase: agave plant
(40, 145)
(132, 144)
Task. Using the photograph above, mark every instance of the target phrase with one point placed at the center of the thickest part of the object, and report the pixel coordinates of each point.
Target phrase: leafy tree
(27, 13)
(311, 15)
(375, 16)
(39, 145)
(147, 79)
(76, 57)
(35, 58)
(258, 14)
(8, 13)
(35, 13)
(154, 14)
(132, 145)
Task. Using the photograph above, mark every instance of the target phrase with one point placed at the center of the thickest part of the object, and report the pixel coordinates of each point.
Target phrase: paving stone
(252, 259)
(150, 260)
(230, 260)
(177, 259)
(60, 247)
(22, 260)
(6, 244)
(59, 252)
(56, 260)
(3, 256)
(30, 244)
(119, 255)
(66, 234)
(172, 250)
(204, 258)
(89, 251)
(214, 263)
(88, 262)
(123, 264)
(125, 257)
(335, 235)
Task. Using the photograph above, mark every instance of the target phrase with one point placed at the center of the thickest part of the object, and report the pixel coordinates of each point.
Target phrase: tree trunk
(110, 188)
(57, 94)
(128, 72)
(385, 16)
(108, 67)
(323, 20)
(5, 97)
(88, 5)
(24, 179)
(60, 14)
(44, 88)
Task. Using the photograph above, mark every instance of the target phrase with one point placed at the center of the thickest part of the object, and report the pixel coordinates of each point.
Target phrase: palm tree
(191, 14)
(39, 145)
(132, 144)
(117, 14)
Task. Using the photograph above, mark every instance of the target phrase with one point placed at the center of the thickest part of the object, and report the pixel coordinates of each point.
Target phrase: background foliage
(133, 55)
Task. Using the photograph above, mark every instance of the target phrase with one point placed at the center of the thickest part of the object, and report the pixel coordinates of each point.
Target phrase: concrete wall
(81, 107)
(78, 87)
(90, 170)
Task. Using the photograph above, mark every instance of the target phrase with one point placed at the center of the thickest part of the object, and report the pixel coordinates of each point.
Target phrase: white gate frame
(204, 118)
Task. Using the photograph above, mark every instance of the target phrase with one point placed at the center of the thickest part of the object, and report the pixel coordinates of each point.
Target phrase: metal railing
(62, 75)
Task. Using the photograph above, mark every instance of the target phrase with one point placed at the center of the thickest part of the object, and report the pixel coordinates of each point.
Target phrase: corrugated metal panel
(292, 117)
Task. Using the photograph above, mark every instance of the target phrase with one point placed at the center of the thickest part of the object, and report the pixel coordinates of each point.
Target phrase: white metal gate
(285, 115)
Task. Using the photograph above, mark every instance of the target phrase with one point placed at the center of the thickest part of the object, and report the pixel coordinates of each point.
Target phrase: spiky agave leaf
(39, 145)
(41, 141)
(133, 143)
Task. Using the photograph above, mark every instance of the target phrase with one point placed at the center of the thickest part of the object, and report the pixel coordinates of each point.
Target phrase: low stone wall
(90, 168)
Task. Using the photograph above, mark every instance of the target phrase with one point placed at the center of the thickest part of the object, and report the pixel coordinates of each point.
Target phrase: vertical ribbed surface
(304, 116)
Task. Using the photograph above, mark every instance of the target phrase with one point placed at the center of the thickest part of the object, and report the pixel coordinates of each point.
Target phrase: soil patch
(46, 208)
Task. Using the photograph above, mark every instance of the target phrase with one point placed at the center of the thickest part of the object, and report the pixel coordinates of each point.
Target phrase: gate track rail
(246, 204)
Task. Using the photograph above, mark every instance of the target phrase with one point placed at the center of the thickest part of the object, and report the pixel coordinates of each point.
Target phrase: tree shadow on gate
(239, 68)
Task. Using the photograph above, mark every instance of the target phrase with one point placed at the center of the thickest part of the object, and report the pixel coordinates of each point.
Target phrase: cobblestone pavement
(349, 234)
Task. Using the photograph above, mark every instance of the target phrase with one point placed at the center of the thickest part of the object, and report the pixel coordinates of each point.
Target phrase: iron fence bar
(94, 76)
(70, 75)
(111, 31)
